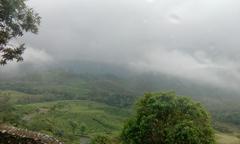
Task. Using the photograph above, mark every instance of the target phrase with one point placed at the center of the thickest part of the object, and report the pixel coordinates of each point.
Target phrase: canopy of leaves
(15, 19)
(165, 118)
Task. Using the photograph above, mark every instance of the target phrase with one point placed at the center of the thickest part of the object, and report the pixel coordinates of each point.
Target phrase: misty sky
(193, 39)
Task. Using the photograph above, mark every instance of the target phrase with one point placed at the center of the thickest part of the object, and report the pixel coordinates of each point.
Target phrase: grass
(13, 96)
(227, 139)
(57, 118)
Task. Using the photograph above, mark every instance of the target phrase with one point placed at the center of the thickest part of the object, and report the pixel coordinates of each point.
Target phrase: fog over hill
(194, 40)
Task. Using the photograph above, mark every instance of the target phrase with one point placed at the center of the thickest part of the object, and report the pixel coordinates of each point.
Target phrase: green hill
(64, 119)
(55, 101)
(120, 90)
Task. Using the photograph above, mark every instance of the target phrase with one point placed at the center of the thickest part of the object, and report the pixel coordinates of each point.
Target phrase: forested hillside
(118, 90)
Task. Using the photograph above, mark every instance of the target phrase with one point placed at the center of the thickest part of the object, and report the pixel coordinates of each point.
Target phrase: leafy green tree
(165, 118)
(15, 19)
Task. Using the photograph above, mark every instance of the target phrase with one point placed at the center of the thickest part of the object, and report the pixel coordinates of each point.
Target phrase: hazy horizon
(196, 40)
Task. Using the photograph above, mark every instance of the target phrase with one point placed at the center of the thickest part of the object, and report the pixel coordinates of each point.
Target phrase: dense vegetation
(67, 120)
(121, 90)
(71, 105)
(166, 118)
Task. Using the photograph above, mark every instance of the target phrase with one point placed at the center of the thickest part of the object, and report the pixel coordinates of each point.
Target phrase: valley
(69, 106)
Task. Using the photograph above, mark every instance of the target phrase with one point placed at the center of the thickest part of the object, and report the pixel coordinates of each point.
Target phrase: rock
(13, 135)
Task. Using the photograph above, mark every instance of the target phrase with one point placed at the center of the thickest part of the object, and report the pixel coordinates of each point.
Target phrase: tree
(165, 118)
(15, 19)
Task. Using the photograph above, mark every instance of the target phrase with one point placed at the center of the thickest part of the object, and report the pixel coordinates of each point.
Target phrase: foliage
(110, 91)
(7, 111)
(51, 86)
(101, 139)
(116, 91)
(15, 18)
(73, 125)
(67, 120)
(166, 118)
(83, 128)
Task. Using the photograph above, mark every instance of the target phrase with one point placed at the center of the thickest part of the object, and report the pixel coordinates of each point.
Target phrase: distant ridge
(13, 135)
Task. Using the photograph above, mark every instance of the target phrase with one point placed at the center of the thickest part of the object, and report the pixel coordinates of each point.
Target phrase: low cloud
(197, 40)
(197, 67)
(35, 57)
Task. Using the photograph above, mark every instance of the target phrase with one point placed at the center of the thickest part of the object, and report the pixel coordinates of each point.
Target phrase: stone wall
(13, 135)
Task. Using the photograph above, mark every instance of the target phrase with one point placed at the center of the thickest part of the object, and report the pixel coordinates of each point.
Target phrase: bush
(165, 118)
(100, 139)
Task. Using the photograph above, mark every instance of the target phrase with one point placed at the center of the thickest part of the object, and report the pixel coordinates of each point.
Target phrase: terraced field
(64, 119)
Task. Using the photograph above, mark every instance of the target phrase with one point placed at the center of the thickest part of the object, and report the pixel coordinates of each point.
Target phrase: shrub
(165, 118)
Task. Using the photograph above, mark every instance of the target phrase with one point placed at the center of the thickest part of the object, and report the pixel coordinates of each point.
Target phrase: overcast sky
(194, 39)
